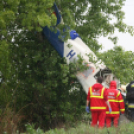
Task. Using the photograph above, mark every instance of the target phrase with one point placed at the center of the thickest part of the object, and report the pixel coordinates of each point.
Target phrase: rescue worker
(130, 100)
(97, 96)
(117, 104)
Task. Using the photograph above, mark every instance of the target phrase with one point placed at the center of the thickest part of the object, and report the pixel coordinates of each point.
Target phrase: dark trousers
(131, 114)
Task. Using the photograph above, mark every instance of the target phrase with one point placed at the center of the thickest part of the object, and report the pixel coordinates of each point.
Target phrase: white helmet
(123, 88)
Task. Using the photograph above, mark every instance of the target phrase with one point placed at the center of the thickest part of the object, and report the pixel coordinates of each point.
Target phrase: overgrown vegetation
(87, 129)
(83, 128)
(36, 84)
(120, 59)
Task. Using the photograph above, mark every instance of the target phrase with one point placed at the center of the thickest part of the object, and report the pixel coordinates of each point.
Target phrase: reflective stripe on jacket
(115, 99)
(97, 98)
(131, 105)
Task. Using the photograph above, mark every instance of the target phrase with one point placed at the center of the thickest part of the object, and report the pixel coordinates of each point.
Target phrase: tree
(94, 18)
(41, 90)
(120, 62)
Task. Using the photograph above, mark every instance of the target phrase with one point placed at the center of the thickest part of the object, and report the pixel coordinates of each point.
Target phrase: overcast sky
(125, 40)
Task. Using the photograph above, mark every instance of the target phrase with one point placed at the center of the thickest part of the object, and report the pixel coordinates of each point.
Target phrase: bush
(9, 121)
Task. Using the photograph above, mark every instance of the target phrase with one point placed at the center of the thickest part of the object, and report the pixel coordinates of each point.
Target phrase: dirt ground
(123, 119)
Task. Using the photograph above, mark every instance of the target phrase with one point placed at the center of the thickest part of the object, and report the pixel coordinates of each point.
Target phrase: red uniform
(117, 105)
(97, 96)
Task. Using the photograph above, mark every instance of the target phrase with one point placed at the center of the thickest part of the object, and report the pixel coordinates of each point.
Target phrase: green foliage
(9, 121)
(83, 128)
(120, 62)
(94, 18)
(30, 130)
(44, 83)
(34, 78)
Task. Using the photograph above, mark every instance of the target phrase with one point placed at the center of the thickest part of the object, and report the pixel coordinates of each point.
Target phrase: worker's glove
(87, 109)
(110, 110)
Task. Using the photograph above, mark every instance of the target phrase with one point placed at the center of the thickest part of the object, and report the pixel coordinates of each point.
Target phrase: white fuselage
(78, 47)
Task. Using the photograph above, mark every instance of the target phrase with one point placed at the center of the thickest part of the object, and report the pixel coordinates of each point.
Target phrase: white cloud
(125, 39)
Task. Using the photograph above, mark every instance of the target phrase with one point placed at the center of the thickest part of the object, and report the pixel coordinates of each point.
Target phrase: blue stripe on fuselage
(54, 40)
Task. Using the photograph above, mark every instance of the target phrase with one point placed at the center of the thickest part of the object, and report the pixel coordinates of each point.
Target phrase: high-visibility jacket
(115, 99)
(130, 95)
(97, 97)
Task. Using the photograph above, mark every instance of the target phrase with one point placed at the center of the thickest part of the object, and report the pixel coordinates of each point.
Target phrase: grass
(84, 128)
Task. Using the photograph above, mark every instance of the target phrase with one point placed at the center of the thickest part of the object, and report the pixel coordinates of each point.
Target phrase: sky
(124, 39)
